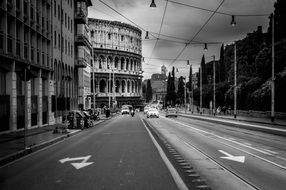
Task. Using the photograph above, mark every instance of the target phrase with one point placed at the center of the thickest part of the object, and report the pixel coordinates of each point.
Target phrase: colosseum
(117, 65)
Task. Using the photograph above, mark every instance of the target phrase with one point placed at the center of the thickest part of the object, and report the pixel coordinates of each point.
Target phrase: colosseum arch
(116, 63)
(117, 86)
(101, 62)
(127, 64)
(102, 85)
(128, 86)
(132, 86)
(109, 62)
(123, 86)
(136, 87)
(122, 63)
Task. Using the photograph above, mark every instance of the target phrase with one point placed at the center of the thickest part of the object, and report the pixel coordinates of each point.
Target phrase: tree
(204, 71)
(190, 84)
(144, 91)
(181, 90)
(221, 67)
(149, 91)
(279, 21)
(168, 99)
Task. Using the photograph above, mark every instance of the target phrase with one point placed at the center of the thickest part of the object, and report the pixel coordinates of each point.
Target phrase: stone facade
(117, 63)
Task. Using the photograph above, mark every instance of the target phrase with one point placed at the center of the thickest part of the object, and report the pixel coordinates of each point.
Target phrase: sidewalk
(12, 145)
(277, 127)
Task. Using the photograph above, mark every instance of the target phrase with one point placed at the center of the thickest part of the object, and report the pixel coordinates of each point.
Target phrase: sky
(187, 26)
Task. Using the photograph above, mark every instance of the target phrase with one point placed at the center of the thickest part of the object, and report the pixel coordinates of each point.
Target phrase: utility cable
(162, 21)
(196, 34)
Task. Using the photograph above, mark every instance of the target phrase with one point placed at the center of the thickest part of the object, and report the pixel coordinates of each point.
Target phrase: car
(146, 109)
(125, 110)
(153, 112)
(171, 112)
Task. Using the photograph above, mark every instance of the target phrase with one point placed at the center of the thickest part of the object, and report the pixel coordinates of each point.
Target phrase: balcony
(81, 62)
(82, 37)
(80, 16)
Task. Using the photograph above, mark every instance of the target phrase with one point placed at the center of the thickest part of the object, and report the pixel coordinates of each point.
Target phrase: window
(55, 36)
(71, 50)
(122, 38)
(109, 36)
(55, 8)
(71, 25)
(2, 83)
(68, 22)
(59, 39)
(92, 33)
(59, 12)
(65, 19)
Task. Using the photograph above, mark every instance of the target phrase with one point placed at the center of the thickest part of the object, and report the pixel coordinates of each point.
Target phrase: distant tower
(163, 70)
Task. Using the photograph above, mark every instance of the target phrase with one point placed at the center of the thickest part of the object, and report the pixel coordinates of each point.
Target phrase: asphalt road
(117, 154)
(228, 157)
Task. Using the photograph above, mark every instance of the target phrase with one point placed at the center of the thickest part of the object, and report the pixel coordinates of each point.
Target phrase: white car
(125, 110)
(153, 112)
(146, 109)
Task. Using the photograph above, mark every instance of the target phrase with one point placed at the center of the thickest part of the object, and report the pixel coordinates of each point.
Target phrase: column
(39, 93)
(51, 90)
(11, 88)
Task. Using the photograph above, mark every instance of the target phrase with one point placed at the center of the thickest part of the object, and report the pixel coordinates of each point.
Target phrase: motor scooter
(132, 113)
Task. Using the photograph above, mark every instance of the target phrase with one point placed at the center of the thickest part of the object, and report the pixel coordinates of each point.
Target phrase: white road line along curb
(180, 183)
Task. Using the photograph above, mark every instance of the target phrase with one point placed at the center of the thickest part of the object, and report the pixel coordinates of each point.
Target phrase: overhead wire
(162, 21)
(196, 34)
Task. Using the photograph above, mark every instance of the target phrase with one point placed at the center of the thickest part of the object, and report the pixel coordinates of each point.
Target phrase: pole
(185, 95)
(201, 89)
(235, 95)
(109, 86)
(214, 106)
(93, 86)
(26, 106)
(273, 74)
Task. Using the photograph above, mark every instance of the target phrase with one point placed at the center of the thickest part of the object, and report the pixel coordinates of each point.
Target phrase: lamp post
(185, 94)
(214, 98)
(235, 85)
(201, 89)
(272, 72)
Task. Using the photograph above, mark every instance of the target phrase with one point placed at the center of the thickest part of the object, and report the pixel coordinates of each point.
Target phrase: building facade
(159, 85)
(117, 49)
(39, 77)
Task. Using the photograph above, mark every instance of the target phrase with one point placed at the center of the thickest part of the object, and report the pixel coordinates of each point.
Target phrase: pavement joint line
(179, 181)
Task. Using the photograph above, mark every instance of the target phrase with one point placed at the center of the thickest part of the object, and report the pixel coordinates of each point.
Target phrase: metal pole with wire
(273, 73)
(235, 85)
(214, 98)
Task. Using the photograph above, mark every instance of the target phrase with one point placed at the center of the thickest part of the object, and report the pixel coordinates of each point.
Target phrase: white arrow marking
(79, 165)
(231, 157)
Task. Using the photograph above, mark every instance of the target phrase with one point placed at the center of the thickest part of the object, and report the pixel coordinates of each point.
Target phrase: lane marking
(178, 180)
(227, 139)
(252, 186)
(228, 156)
(254, 155)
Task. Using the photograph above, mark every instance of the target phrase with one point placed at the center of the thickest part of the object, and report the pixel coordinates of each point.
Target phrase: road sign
(77, 165)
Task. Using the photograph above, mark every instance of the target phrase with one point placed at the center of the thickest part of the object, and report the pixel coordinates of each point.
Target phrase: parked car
(153, 112)
(75, 119)
(173, 112)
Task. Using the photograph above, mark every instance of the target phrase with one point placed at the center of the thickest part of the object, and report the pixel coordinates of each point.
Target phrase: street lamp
(272, 72)
(206, 47)
(235, 85)
(153, 4)
(233, 23)
(214, 98)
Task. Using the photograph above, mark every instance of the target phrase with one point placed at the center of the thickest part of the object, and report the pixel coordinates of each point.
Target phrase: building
(25, 49)
(159, 84)
(83, 54)
(39, 77)
(117, 63)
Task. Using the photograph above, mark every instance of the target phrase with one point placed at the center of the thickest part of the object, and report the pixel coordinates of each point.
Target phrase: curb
(12, 157)
(235, 123)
